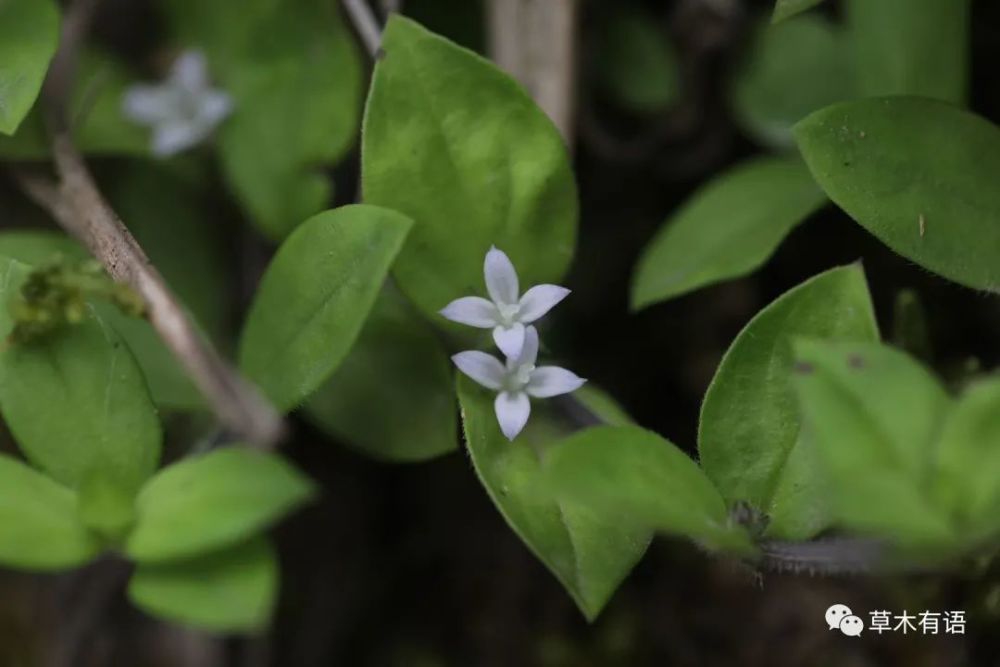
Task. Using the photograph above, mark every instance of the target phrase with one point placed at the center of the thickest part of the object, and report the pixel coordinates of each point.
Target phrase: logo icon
(840, 617)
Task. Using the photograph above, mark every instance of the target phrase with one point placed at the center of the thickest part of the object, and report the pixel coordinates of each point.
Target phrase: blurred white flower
(508, 313)
(516, 380)
(182, 110)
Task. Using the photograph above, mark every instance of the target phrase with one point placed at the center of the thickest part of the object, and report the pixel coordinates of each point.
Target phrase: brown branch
(78, 206)
(535, 41)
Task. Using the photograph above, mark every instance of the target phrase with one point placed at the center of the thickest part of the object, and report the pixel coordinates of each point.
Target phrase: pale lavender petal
(510, 340)
(481, 367)
(472, 310)
(548, 381)
(501, 278)
(512, 411)
(215, 105)
(190, 71)
(147, 105)
(172, 138)
(529, 353)
(539, 300)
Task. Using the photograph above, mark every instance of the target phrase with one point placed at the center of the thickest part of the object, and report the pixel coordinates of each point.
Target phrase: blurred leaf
(792, 70)
(78, 406)
(919, 175)
(728, 228)
(873, 415)
(39, 526)
(212, 501)
(228, 591)
(967, 471)
(315, 297)
(458, 146)
(910, 332)
(601, 405)
(589, 550)
(295, 75)
(637, 64)
(99, 125)
(786, 9)
(12, 275)
(29, 35)
(638, 474)
(393, 397)
(911, 47)
(749, 435)
(38, 246)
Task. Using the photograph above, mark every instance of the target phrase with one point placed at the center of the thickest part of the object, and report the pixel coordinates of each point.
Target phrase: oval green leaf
(792, 70)
(315, 297)
(39, 525)
(77, 403)
(916, 173)
(590, 550)
(873, 415)
(749, 432)
(634, 472)
(213, 501)
(393, 397)
(29, 34)
(457, 145)
(730, 227)
(228, 591)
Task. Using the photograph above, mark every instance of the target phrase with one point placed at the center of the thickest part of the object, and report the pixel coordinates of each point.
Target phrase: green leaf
(39, 526)
(228, 591)
(873, 415)
(213, 501)
(457, 145)
(638, 474)
(601, 405)
(792, 70)
(297, 85)
(910, 331)
(916, 173)
(730, 227)
(911, 47)
(35, 246)
(637, 64)
(315, 297)
(29, 35)
(786, 9)
(966, 481)
(78, 406)
(749, 433)
(12, 275)
(590, 550)
(393, 397)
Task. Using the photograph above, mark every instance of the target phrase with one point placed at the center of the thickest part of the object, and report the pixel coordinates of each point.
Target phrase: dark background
(412, 565)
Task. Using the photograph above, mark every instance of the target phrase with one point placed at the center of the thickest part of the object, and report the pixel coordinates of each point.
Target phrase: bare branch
(78, 206)
(535, 41)
(365, 24)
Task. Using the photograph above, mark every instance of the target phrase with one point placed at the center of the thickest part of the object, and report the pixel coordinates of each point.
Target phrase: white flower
(507, 313)
(516, 380)
(183, 110)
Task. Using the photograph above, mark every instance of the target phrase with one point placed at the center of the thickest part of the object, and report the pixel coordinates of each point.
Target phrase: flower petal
(214, 106)
(501, 278)
(539, 300)
(472, 310)
(147, 105)
(481, 367)
(548, 381)
(190, 72)
(510, 340)
(529, 353)
(512, 411)
(172, 138)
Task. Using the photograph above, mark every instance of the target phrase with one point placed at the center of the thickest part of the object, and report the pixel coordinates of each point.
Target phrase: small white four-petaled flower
(183, 110)
(508, 313)
(516, 380)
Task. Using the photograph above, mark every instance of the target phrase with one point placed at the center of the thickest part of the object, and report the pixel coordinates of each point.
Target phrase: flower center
(508, 312)
(518, 377)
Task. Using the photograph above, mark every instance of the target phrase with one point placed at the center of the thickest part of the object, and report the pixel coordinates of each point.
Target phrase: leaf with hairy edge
(29, 35)
(749, 434)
